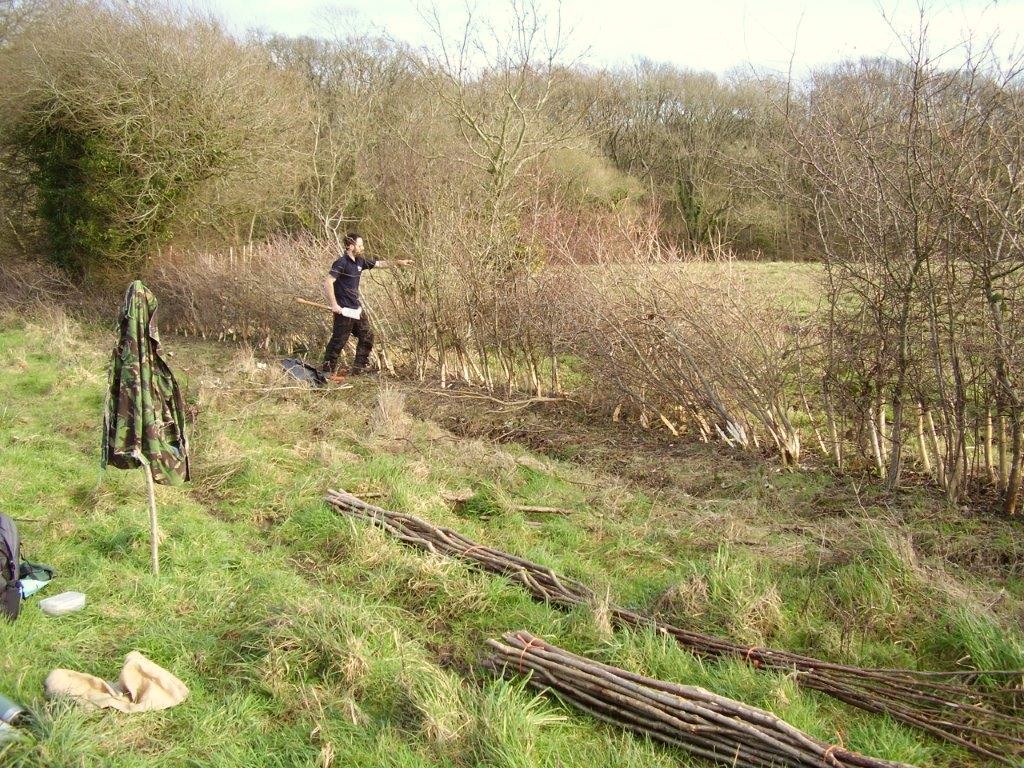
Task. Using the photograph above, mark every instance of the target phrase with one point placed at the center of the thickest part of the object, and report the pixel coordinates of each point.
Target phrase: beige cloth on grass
(142, 687)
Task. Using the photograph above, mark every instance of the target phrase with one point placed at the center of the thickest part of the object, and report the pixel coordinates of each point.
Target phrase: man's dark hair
(350, 238)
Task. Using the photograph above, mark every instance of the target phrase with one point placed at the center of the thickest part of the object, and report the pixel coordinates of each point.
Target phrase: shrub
(131, 125)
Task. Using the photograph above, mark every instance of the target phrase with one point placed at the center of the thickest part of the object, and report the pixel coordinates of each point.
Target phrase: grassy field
(307, 640)
(795, 284)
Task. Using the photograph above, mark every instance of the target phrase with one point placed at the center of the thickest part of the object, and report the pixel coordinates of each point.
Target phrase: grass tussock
(732, 592)
(389, 418)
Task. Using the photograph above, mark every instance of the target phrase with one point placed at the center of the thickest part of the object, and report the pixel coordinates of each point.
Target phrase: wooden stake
(883, 442)
(833, 432)
(876, 443)
(940, 468)
(990, 462)
(1004, 458)
(153, 532)
(922, 446)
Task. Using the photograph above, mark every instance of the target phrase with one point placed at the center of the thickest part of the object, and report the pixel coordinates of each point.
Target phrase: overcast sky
(718, 35)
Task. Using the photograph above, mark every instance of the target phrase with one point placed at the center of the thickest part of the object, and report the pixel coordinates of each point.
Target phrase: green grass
(307, 639)
(793, 285)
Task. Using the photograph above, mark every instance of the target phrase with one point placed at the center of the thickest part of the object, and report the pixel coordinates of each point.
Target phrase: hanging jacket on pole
(144, 418)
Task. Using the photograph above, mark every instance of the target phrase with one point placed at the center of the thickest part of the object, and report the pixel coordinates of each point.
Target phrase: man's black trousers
(343, 328)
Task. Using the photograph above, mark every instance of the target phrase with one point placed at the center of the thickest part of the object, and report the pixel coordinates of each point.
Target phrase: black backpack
(10, 567)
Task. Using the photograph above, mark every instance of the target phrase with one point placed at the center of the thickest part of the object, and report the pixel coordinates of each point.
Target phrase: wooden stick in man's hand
(315, 304)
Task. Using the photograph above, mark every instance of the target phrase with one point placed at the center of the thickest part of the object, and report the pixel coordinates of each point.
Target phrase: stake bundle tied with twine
(684, 716)
(962, 707)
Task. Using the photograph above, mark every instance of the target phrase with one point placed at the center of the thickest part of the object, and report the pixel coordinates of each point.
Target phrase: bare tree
(497, 87)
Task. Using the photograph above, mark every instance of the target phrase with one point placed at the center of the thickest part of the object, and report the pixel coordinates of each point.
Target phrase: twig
(504, 403)
(538, 510)
(372, 494)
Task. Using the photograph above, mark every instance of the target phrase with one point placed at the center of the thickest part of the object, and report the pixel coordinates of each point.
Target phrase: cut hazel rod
(552, 587)
(652, 700)
(724, 706)
(873, 704)
(712, 702)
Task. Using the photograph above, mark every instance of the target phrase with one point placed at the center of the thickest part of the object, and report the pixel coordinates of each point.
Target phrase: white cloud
(718, 35)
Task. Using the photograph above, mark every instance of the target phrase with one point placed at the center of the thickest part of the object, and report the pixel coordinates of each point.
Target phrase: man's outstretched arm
(391, 263)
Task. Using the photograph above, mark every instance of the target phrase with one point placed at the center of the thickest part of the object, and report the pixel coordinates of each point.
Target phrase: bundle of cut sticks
(684, 716)
(977, 710)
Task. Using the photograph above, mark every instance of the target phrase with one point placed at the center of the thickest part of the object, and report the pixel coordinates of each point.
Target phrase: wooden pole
(314, 304)
(153, 532)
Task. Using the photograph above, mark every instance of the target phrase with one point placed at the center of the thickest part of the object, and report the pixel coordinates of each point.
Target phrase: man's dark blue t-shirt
(346, 273)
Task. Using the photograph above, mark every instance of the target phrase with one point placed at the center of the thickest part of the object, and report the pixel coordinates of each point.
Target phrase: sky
(715, 35)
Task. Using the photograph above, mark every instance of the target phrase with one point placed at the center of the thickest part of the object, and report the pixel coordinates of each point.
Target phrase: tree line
(127, 126)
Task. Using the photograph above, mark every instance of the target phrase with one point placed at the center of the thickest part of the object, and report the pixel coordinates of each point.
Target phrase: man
(341, 288)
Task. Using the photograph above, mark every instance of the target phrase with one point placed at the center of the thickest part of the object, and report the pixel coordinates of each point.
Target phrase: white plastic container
(65, 602)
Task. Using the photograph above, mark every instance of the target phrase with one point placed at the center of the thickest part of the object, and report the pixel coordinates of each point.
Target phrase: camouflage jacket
(144, 417)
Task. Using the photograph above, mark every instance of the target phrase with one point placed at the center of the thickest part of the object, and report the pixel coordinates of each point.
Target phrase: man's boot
(360, 365)
(333, 376)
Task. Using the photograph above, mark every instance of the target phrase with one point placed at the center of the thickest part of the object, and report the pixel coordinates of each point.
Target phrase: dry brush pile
(689, 345)
(246, 294)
